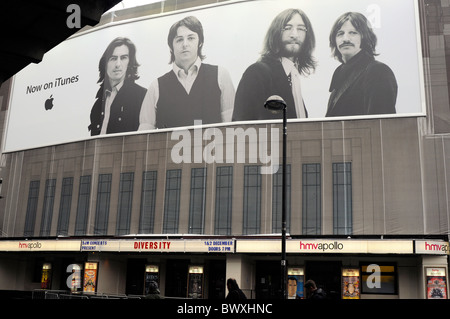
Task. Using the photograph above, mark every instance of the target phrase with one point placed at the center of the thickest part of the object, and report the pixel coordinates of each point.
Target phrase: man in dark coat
(234, 292)
(314, 293)
(287, 54)
(360, 85)
(119, 99)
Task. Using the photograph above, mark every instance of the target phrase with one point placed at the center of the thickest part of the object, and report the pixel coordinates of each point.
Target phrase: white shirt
(110, 96)
(290, 68)
(147, 117)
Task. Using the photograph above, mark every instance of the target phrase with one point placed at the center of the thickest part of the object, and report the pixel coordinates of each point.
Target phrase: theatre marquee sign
(330, 246)
(122, 245)
(159, 245)
(227, 245)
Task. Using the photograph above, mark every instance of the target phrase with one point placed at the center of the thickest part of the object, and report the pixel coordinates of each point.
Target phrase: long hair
(193, 24)
(362, 25)
(132, 70)
(273, 44)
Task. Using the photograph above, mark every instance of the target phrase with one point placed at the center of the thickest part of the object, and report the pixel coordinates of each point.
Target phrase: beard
(291, 49)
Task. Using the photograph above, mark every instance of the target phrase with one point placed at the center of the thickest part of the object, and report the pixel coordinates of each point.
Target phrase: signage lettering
(35, 245)
(219, 245)
(322, 246)
(93, 245)
(437, 247)
(152, 245)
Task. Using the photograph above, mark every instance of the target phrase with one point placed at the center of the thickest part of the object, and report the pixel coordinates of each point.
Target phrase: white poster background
(234, 34)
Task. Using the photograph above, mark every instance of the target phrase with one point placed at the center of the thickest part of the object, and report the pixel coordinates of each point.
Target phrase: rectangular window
(148, 200)
(125, 203)
(379, 278)
(342, 198)
(277, 199)
(47, 211)
(103, 202)
(64, 206)
(30, 218)
(84, 195)
(172, 201)
(197, 202)
(311, 199)
(224, 191)
(252, 200)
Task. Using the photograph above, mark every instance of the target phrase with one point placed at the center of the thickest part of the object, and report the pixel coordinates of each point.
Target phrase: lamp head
(275, 104)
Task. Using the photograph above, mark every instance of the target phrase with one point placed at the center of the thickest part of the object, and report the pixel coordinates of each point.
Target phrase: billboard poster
(217, 65)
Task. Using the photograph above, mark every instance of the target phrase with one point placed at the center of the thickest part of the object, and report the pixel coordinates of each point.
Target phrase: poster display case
(436, 283)
(296, 281)
(90, 277)
(350, 283)
(46, 278)
(151, 275)
(195, 282)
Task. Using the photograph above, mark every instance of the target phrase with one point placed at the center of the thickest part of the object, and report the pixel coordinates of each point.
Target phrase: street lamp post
(276, 104)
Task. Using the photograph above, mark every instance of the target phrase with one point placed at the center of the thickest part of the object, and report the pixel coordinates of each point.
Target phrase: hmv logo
(33, 245)
(321, 246)
(437, 247)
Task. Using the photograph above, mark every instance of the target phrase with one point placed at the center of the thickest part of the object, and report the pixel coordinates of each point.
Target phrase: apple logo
(49, 103)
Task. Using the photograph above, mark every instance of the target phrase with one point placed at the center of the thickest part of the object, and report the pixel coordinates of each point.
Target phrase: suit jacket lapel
(285, 88)
(358, 65)
(337, 92)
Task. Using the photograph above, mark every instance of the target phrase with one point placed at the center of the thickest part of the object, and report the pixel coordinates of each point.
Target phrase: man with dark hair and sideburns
(287, 54)
(192, 90)
(119, 99)
(361, 85)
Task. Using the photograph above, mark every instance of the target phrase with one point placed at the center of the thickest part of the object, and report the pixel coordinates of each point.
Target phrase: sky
(124, 4)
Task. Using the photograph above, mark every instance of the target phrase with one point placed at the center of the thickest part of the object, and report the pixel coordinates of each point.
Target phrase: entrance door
(327, 275)
(135, 276)
(176, 277)
(217, 273)
(268, 280)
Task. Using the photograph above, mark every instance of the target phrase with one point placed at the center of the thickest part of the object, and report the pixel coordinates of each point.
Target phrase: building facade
(367, 201)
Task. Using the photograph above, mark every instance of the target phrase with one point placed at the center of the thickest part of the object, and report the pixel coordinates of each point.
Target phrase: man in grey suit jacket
(287, 54)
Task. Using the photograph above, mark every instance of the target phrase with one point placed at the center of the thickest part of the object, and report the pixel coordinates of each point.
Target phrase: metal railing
(65, 294)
